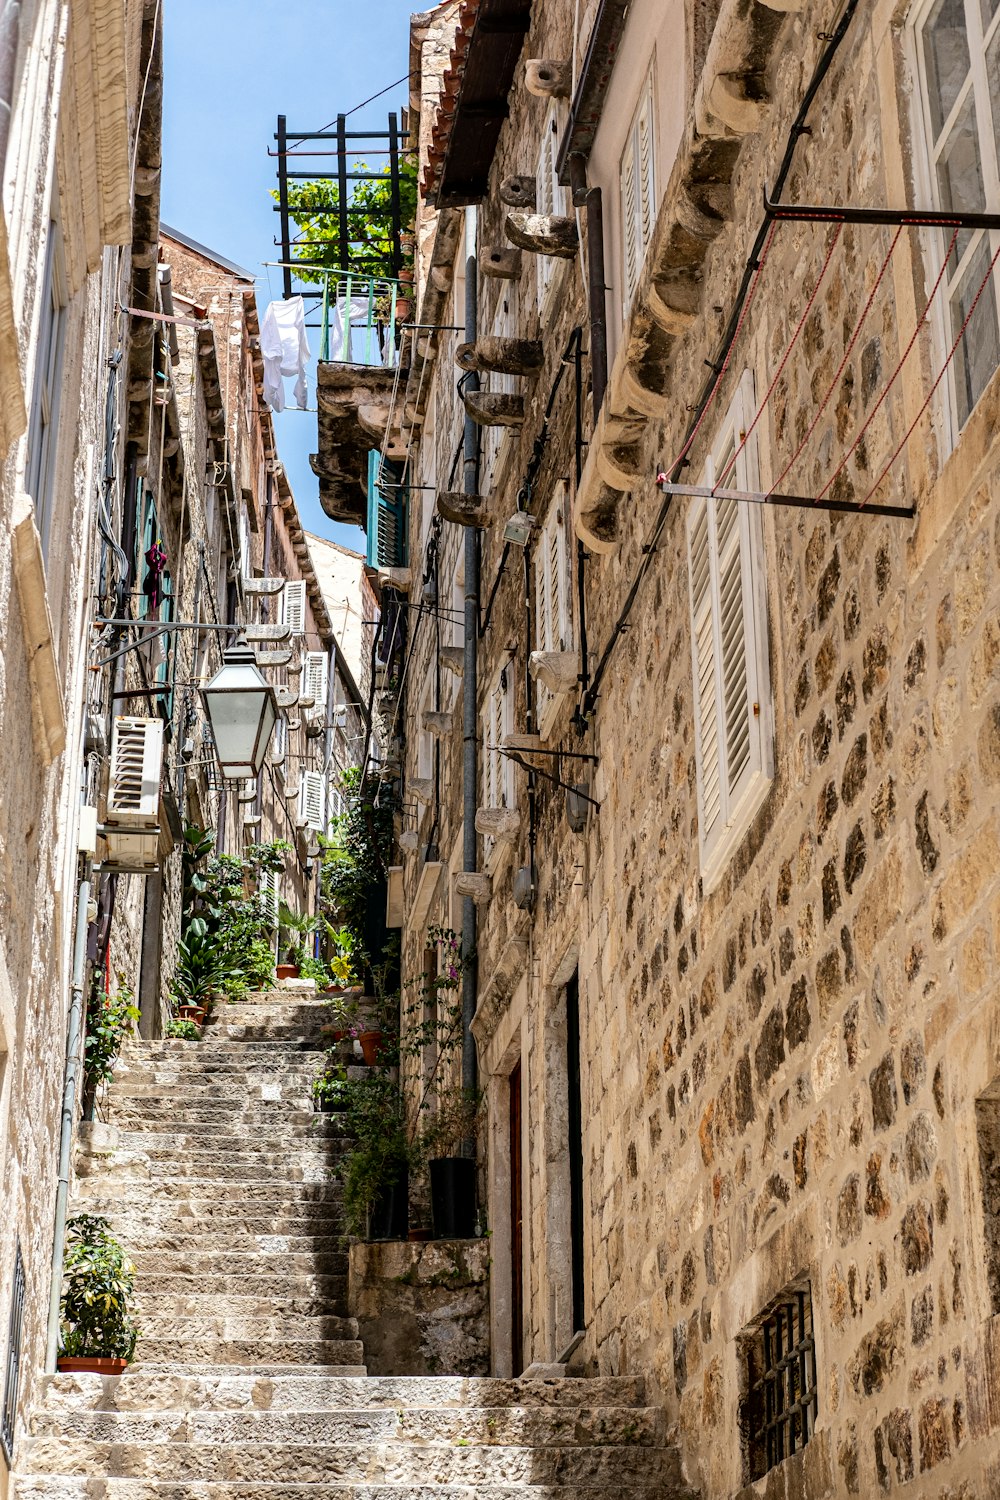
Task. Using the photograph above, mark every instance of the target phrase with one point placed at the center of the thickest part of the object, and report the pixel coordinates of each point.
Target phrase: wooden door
(516, 1225)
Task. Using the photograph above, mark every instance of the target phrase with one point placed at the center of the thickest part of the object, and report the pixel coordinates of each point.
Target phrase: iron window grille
(13, 1374)
(780, 1404)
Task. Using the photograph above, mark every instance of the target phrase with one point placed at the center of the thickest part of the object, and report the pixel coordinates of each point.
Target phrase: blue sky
(230, 68)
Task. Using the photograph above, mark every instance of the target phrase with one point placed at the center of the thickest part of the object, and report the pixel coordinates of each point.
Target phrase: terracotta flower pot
(420, 1236)
(371, 1043)
(287, 971)
(195, 1013)
(95, 1364)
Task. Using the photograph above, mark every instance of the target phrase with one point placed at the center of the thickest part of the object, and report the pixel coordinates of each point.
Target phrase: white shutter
(269, 892)
(293, 606)
(644, 167)
(311, 799)
(630, 248)
(314, 678)
(279, 741)
(243, 531)
(136, 762)
(729, 646)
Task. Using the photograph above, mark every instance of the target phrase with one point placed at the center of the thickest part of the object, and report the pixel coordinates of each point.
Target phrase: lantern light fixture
(242, 711)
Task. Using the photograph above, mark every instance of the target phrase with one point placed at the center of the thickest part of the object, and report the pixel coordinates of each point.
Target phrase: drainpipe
(470, 724)
(73, 1060)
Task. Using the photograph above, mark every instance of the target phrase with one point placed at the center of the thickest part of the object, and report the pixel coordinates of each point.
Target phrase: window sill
(49, 715)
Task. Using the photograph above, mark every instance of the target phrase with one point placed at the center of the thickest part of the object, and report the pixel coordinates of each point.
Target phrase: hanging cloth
(284, 349)
(356, 337)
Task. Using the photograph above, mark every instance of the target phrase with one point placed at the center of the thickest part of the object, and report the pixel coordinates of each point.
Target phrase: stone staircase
(249, 1378)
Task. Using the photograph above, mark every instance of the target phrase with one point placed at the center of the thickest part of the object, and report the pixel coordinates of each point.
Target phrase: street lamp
(242, 711)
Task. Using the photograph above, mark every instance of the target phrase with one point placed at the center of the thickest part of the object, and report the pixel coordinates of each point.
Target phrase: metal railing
(359, 323)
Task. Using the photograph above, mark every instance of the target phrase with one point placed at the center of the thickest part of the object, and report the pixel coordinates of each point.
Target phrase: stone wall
(789, 1075)
(422, 1309)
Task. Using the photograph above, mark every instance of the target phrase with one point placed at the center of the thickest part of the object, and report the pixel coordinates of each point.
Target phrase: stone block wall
(788, 1075)
(422, 1309)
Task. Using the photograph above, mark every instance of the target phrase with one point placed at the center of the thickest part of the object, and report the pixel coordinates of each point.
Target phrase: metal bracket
(918, 217)
(518, 758)
(802, 502)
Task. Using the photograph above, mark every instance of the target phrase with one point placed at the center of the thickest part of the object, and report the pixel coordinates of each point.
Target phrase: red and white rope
(784, 358)
(856, 334)
(940, 376)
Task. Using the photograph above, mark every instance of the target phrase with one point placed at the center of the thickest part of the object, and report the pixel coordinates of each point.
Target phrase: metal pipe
(74, 1037)
(470, 719)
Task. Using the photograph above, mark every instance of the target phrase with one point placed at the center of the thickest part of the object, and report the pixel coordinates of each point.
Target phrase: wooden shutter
(630, 246)
(644, 167)
(314, 678)
(311, 799)
(269, 889)
(638, 193)
(552, 631)
(729, 650)
(387, 514)
(293, 605)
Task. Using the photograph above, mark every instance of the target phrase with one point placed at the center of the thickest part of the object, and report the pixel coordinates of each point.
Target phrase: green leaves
(98, 1280)
(368, 223)
(110, 1019)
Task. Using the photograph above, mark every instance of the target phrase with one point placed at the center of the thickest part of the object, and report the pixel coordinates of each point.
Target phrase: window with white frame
(312, 800)
(293, 605)
(637, 178)
(498, 769)
(44, 424)
(550, 198)
(732, 693)
(315, 675)
(958, 66)
(504, 326)
(550, 558)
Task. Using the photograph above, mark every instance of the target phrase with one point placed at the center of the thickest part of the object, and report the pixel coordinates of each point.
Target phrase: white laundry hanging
(362, 342)
(285, 350)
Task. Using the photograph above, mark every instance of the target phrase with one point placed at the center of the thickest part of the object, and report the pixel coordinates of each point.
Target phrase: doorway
(574, 1144)
(516, 1225)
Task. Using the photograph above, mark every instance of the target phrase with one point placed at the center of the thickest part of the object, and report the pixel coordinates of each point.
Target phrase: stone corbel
(519, 192)
(464, 510)
(475, 884)
(421, 788)
(286, 697)
(555, 235)
(436, 723)
(501, 262)
(48, 713)
(409, 841)
(453, 658)
(559, 671)
(507, 356)
(547, 77)
(498, 991)
(494, 408)
(396, 578)
(500, 823)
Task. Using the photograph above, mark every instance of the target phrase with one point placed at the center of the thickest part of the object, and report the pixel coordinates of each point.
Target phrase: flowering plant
(110, 1019)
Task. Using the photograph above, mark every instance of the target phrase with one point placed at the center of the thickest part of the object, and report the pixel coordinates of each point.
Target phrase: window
(279, 740)
(958, 65)
(311, 800)
(315, 673)
(498, 723)
(293, 606)
(778, 1414)
(44, 423)
(12, 1377)
(550, 197)
(387, 513)
(504, 326)
(732, 719)
(638, 193)
(552, 611)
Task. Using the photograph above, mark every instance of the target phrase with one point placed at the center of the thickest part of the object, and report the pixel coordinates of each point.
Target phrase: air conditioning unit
(131, 825)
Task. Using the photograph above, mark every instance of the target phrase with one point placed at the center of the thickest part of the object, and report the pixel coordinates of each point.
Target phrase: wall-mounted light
(242, 711)
(519, 528)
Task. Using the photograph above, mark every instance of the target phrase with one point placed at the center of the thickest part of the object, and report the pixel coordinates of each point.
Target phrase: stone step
(294, 1285)
(516, 1426)
(248, 1167)
(271, 1260)
(199, 1191)
(228, 1080)
(60, 1487)
(139, 1085)
(252, 1116)
(382, 1462)
(314, 1127)
(344, 1354)
(204, 1315)
(216, 1051)
(150, 1240)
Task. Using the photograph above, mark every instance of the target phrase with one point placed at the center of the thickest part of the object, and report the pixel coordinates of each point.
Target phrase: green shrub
(98, 1280)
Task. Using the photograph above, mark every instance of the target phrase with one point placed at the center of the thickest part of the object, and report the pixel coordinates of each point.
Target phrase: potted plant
(341, 965)
(98, 1331)
(329, 1090)
(180, 1030)
(452, 1174)
(110, 1019)
(297, 928)
(375, 1171)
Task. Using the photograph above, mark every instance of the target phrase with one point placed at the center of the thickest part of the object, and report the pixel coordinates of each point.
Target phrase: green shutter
(387, 508)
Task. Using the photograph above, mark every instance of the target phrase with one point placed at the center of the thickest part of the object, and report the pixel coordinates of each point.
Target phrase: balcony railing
(359, 320)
